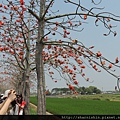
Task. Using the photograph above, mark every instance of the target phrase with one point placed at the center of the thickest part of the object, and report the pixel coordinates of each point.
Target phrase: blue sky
(92, 35)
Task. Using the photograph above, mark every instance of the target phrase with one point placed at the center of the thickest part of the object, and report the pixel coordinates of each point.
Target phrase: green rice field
(83, 105)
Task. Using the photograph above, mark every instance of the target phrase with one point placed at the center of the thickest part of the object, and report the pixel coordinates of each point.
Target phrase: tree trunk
(26, 94)
(24, 89)
(26, 83)
(20, 84)
(41, 98)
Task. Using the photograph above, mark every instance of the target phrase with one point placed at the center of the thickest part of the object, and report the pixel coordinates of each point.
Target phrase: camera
(1, 98)
(13, 103)
(17, 100)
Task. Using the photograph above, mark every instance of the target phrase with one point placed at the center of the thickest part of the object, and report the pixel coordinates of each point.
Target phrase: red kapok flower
(82, 66)
(98, 54)
(76, 82)
(85, 17)
(22, 2)
(110, 65)
(116, 60)
(0, 5)
(5, 7)
(71, 87)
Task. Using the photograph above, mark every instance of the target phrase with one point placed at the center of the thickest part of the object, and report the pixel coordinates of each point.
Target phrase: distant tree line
(81, 90)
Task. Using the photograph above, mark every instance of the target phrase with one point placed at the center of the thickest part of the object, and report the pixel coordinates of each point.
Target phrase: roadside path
(32, 105)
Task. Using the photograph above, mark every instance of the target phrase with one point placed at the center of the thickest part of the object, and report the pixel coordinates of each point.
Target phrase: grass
(33, 111)
(83, 105)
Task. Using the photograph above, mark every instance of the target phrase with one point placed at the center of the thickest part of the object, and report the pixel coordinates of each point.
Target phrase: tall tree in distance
(55, 48)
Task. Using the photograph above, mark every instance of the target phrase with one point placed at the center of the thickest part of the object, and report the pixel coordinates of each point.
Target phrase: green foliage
(82, 90)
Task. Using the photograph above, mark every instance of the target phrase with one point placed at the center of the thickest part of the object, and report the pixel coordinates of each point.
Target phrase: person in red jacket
(21, 104)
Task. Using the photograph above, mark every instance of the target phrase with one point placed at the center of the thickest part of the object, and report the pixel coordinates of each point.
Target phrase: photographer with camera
(9, 96)
(17, 106)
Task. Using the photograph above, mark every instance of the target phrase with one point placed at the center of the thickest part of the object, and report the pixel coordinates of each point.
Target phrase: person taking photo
(4, 106)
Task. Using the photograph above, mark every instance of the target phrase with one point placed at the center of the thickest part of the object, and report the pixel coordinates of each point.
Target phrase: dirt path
(34, 106)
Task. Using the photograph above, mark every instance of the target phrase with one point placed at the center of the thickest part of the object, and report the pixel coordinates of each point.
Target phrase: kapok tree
(56, 49)
(59, 53)
(11, 73)
(4, 79)
(17, 43)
